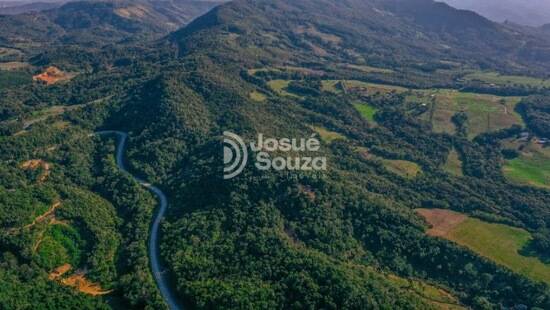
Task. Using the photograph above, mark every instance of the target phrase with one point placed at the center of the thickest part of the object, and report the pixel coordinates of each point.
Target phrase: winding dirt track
(160, 277)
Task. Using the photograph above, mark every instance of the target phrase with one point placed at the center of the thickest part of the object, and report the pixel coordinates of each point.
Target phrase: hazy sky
(527, 12)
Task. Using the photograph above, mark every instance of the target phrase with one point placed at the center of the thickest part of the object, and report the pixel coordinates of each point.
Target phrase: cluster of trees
(536, 112)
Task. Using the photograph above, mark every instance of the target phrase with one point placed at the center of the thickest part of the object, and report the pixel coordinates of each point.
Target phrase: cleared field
(532, 167)
(366, 111)
(438, 297)
(367, 69)
(279, 87)
(258, 70)
(289, 69)
(404, 168)
(497, 79)
(337, 86)
(486, 113)
(327, 135)
(257, 96)
(499, 243)
(453, 164)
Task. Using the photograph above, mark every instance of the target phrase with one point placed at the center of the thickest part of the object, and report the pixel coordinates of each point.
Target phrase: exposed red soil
(441, 221)
(35, 164)
(51, 76)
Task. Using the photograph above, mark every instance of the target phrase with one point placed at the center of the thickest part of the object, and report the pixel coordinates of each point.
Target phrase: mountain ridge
(385, 25)
(99, 22)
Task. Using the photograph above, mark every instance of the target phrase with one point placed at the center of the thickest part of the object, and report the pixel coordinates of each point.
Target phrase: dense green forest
(345, 238)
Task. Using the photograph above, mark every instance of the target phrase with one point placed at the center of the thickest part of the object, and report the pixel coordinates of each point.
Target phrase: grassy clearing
(404, 168)
(337, 86)
(366, 111)
(534, 170)
(453, 164)
(497, 242)
(532, 167)
(313, 31)
(330, 86)
(289, 69)
(439, 298)
(497, 79)
(327, 135)
(257, 96)
(486, 113)
(367, 69)
(279, 87)
(60, 244)
(502, 244)
(258, 70)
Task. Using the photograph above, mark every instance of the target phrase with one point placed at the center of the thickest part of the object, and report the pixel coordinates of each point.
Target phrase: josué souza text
(265, 147)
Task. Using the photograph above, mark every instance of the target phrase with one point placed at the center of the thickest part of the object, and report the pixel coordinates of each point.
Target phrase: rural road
(154, 257)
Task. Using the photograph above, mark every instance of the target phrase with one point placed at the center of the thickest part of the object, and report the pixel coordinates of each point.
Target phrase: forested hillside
(97, 23)
(411, 128)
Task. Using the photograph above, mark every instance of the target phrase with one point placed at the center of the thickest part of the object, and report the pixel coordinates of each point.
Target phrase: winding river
(160, 277)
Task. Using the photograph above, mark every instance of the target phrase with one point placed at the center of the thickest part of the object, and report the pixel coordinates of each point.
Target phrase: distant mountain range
(97, 22)
(386, 32)
(530, 13)
(26, 6)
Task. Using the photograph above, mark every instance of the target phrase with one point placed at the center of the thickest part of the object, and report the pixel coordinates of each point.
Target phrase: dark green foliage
(12, 79)
(541, 243)
(510, 153)
(536, 112)
(460, 121)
